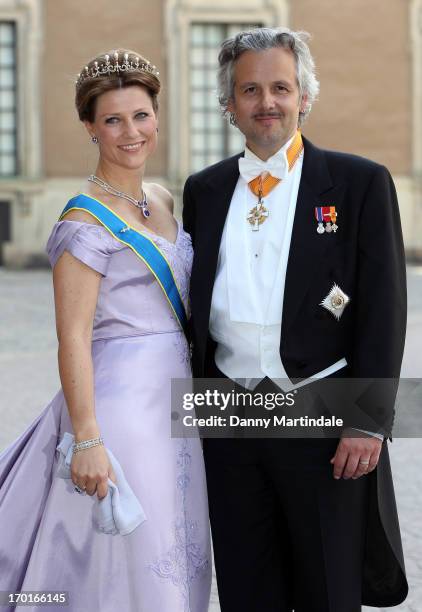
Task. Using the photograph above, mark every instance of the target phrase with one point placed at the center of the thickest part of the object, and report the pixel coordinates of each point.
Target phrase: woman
(121, 266)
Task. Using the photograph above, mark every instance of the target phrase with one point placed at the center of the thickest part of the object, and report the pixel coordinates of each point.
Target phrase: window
(5, 224)
(8, 136)
(212, 138)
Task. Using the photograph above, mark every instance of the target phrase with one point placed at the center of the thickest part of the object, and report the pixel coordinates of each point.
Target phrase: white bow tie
(251, 168)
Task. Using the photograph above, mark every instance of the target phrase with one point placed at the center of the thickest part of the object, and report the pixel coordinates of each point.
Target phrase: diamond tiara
(112, 66)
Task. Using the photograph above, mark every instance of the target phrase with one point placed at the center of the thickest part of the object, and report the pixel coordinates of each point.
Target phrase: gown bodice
(130, 300)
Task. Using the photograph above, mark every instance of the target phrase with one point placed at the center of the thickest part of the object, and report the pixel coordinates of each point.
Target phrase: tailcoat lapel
(217, 192)
(219, 188)
(305, 241)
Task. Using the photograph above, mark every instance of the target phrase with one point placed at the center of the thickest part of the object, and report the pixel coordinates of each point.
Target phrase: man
(298, 272)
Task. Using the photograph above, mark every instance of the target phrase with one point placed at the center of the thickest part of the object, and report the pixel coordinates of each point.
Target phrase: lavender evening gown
(47, 537)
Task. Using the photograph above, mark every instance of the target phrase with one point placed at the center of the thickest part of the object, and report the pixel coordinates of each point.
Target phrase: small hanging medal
(333, 216)
(319, 218)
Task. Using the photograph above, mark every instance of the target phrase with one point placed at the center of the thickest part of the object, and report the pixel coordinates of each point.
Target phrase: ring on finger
(80, 490)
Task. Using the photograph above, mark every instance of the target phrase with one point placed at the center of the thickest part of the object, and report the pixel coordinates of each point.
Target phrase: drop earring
(94, 140)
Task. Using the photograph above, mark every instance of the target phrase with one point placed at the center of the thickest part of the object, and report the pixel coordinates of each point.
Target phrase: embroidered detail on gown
(185, 560)
(48, 540)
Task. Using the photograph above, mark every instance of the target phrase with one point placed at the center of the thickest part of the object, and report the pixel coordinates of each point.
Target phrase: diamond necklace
(142, 204)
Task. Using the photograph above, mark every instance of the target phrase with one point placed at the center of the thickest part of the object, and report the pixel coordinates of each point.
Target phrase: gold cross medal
(257, 214)
(264, 183)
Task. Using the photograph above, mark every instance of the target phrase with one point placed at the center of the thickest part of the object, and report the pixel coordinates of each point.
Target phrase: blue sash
(140, 244)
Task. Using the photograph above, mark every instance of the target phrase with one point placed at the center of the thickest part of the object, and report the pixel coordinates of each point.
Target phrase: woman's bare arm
(76, 288)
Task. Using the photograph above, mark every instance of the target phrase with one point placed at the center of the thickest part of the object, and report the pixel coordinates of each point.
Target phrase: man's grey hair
(260, 39)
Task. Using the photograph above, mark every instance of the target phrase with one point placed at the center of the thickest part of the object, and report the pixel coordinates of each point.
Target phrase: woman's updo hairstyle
(114, 70)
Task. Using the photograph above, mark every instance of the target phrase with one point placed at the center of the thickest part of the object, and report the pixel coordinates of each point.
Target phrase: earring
(156, 130)
(232, 119)
(94, 140)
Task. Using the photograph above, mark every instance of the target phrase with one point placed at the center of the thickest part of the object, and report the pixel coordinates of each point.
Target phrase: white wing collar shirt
(247, 299)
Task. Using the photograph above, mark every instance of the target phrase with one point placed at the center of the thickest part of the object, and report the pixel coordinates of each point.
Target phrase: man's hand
(356, 456)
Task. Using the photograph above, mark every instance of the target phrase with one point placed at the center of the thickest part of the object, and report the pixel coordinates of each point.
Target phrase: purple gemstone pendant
(144, 206)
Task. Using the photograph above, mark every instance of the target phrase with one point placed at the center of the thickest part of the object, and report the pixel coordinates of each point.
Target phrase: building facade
(369, 62)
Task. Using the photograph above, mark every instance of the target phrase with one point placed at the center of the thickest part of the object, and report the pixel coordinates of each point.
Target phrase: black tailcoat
(366, 258)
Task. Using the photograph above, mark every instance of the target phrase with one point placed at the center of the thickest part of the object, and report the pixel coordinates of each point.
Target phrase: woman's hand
(90, 470)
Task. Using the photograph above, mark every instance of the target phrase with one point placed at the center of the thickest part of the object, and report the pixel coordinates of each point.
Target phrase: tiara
(112, 66)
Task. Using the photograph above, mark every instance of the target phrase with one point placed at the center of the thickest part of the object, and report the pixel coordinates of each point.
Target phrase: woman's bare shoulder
(81, 216)
(161, 193)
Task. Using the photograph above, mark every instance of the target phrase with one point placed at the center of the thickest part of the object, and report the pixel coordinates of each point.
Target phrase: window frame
(27, 15)
(179, 15)
(15, 108)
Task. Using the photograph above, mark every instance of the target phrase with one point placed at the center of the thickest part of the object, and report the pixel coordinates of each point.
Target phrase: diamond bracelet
(87, 444)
